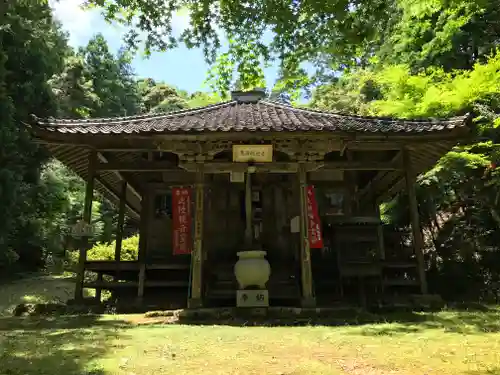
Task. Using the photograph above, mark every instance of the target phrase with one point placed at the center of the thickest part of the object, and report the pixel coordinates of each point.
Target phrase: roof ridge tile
(260, 116)
(340, 114)
(119, 119)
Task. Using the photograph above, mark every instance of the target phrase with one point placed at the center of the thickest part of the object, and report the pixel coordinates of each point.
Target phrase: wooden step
(163, 283)
(167, 266)
(360, 270)
(112, 266)
(111, 284)
(225, 293)
(400, 282)
(323, 282)
(270, 284)
(348, 238)
(399, 265)
(134, 284)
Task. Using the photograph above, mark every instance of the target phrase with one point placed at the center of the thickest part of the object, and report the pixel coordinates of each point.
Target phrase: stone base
(308, 302)
(252, 298)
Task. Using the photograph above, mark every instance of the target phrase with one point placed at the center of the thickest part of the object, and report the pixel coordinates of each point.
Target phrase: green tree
(459, 200)
(449, 34)
(112, 80)
(73, 90)
(298, 31)
(201, 99)
(32, 50)
(160, 97)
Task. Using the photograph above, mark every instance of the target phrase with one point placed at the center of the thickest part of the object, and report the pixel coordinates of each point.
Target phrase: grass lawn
(444, 343)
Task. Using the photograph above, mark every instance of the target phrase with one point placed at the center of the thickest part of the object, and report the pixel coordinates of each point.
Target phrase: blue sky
(181, 67)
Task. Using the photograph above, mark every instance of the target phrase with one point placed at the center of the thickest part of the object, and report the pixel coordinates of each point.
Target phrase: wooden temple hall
(209, 184)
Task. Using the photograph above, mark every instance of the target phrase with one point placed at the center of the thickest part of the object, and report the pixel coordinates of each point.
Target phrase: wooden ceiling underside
(73, 151)
(107, 183)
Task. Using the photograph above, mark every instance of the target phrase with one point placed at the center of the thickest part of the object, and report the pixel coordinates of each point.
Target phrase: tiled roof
(236, 116)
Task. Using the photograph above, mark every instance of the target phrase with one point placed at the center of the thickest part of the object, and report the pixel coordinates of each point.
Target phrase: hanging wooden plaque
(253, 153)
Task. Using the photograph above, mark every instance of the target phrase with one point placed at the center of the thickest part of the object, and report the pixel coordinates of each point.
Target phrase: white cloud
(81, 24)
(180, 21)
(77, 22)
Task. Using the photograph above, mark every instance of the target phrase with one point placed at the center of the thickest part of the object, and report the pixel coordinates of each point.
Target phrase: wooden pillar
(196, 299)
(351, 199)
(418, 241)
(380, 233)
(142, 280)
(143, 237)
(308, 299)
(248, 211)
(98, 290)
(87, 217)
(119, 228)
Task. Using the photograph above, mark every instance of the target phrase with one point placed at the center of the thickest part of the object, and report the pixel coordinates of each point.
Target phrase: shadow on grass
(472, 321)
(486, 320)
(52, 346)
(489, 371)
(35, 289)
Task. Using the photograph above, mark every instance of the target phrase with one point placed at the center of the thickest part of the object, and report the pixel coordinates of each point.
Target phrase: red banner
(313, 220)
(181, 221)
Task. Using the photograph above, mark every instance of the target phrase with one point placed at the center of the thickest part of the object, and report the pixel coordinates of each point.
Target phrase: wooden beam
(387, 139)
(140, 144)
(111, 192)
(104, 159)
(392, 190)
(166, 187)
(418, 241)
(355, 165)
(196, 299)
(343, 148)
(308, 299)
(144, 166)
(397, 159)
(227, 167)
(87, 218)
(293, 167)
(393, 165)
(117, 141)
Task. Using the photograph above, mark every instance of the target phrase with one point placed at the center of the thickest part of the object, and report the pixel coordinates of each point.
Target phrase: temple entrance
(282, 146)
(273, 204)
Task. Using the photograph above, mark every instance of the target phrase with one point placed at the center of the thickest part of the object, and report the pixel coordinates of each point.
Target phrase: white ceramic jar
(252, 269)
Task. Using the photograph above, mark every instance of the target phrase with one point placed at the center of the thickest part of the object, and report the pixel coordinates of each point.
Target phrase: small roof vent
(252, 96)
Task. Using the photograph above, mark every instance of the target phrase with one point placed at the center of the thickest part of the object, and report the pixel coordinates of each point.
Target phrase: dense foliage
(32, 50)
(335, 34)
(40, 74)
(106, 251)
(459, 199)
